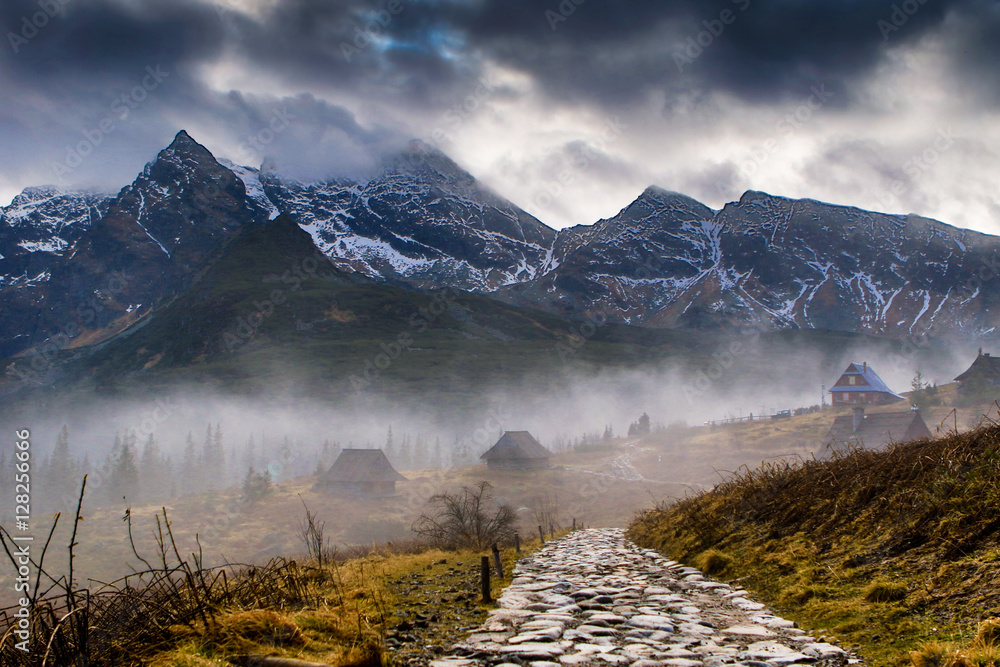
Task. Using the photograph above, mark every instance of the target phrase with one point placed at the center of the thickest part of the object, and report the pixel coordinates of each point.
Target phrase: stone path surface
(594, 598)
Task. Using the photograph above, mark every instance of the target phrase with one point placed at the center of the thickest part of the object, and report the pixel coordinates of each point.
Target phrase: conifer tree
(214, 458)
(435, 459)
(61, 469)
(405, 454)
(190, 470)
(154, 482)
(123, 481)
(390, 447)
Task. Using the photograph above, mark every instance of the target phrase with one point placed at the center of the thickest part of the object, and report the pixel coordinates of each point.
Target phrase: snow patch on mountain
(255, 189)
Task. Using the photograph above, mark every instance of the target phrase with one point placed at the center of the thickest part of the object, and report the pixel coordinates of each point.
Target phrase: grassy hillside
(887, 550)
(269, 316)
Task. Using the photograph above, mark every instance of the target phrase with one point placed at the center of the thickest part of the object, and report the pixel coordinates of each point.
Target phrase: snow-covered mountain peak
(423, 161)
(47, 219)
(254, 185)
(674, 205)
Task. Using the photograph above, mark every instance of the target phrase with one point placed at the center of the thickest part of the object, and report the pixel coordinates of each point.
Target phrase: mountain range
(77, 268)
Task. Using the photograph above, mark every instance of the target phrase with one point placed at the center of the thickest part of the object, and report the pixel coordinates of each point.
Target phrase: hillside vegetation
(896, 552)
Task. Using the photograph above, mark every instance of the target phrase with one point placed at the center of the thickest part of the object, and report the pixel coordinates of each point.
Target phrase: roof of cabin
(879, 428)
(984, 364)
(872, 382)
(362, 465)
(516, 445)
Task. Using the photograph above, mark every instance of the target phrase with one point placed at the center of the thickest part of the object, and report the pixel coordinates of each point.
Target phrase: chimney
(859, 418)
(864, 367)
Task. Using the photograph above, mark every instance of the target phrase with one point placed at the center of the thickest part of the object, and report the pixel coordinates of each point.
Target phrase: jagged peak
(420, 157)
(184, 143)
(660, 199)
(656, 193)
(184, 146)
(182, 138)
(751, 196)
(36, 197)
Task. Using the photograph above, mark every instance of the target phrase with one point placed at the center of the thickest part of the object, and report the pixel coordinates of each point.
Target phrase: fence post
(485, 569)
(517, 544)
(541, 535)
(496, 558)
(574, 523)
(552, 531)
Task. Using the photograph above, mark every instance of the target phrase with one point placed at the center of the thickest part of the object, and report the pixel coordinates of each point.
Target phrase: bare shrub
(469, 518)
(311, 533)
(545, 509)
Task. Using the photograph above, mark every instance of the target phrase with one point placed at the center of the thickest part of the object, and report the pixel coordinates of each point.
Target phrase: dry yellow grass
(888, 550)
(362, 601)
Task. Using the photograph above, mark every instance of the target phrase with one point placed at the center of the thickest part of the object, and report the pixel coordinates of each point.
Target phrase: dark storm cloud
(759, 50)
(413, 60)
(96, 41)
(427, 53)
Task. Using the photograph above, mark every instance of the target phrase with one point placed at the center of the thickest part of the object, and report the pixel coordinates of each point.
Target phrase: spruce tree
(435, 461)
(61, 469)
(151, 471)
(190, 470)
(404, 456)
(124, 479)
(390, 448)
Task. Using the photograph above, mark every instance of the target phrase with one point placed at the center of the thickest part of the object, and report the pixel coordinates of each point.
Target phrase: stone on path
(595, 599)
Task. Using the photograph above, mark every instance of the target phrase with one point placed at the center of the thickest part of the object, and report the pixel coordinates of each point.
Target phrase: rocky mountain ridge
(664, 261)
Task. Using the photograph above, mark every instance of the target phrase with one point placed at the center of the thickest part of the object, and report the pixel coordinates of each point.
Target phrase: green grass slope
(271, 313)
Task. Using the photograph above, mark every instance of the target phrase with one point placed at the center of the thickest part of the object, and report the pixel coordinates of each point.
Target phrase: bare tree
(469, 518)
(545, 508)
(311, 534)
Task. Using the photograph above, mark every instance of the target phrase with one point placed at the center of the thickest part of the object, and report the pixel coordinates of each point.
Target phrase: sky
(569, 108)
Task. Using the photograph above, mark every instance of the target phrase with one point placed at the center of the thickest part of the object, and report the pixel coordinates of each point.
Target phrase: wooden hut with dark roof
(982, 377)
(876, 430)
(517, 450)
(362, 472)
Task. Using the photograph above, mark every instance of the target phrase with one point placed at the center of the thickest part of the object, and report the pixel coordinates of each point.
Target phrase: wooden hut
(861, 385)
(362, 472)
(517, 450)
(876, 430)
(982, 379)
